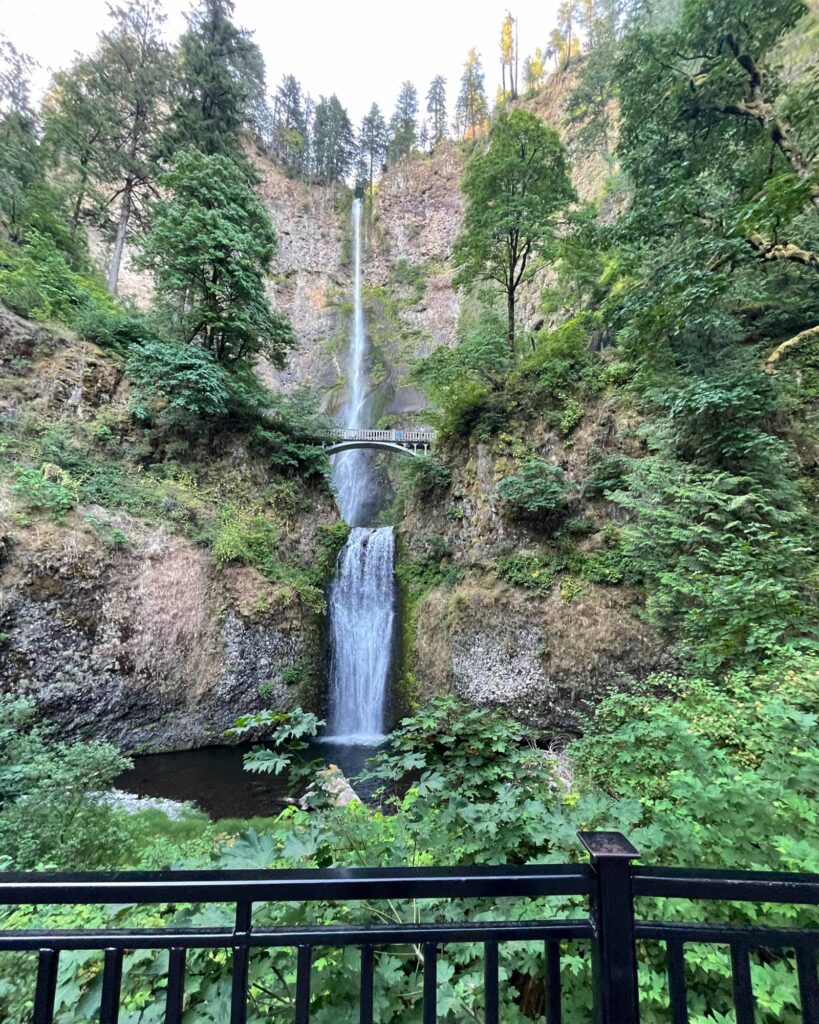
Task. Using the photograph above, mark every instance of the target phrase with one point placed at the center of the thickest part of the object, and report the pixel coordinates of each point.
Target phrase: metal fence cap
(608, 844)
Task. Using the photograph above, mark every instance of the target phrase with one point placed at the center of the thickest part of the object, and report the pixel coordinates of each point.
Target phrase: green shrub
(536, 491)
(425, 475)
(186, 379)
(48, 489)
(37, 281)
(559, 364)
(50, 811)
(531, 571)
(251, 539)
(115, 327)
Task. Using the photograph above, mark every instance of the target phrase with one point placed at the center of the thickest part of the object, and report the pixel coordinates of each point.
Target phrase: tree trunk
(510, 312)
(119, 242)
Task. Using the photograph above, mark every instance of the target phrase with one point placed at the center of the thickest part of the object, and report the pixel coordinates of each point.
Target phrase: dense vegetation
(688, 297)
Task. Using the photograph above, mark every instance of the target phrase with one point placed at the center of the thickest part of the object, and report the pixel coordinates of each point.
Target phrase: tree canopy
(516, 186)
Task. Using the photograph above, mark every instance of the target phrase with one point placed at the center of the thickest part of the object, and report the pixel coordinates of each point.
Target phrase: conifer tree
(372, 144)
(472, 109)
(129, 79)
(436, 108)
(290, 127)
(404, 124)
(78, 124)
(20, 161)
(210, 247)
(333, 141)
(222, 81)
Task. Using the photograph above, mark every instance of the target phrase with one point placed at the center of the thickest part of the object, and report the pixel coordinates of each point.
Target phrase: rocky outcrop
(547, 660)
(151, 648)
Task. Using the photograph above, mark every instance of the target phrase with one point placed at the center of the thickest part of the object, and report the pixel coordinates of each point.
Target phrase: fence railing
(398, 436)
(609, 882)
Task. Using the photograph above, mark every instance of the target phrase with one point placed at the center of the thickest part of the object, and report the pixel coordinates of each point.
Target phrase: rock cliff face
(120, 627)
(152, 649)
(547, 656)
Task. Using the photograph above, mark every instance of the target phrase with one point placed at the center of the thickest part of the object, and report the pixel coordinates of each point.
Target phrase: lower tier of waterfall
(362, 619)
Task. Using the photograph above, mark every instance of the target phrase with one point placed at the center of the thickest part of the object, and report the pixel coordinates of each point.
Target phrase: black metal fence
(610, 882)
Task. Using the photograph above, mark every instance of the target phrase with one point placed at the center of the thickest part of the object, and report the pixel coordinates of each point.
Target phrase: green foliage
(515, 189)
(726, 559)
(425, 475)
(189, 379)
(251, 538)
(431, 566)
(464, 382)
(37, 281)
(51, 814)
(536, 491)
(47, 489)
(210, 247)
(222, 79)
(530, 571)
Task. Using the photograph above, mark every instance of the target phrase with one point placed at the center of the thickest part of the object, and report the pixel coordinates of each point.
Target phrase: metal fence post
(611, 911)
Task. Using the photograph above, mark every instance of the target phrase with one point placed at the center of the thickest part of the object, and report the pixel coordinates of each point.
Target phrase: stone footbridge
(415, 441)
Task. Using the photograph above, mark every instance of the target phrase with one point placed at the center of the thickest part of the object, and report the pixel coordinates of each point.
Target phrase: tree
(333, 141)
(20, 160)
(372, 144)
(436, 108)
(128, 80)
(564, 41)
(210, 248)
(404, 124)
(290, 145)
(515, 189)
(471, 109)
(79, 124)
(534, 68)
(221, 81)
(509, 56)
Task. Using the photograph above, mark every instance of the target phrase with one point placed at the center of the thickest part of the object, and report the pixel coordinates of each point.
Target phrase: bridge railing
(608, 884)
(410, 436)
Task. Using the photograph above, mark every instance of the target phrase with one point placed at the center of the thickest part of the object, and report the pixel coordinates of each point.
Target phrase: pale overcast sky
(362, 49)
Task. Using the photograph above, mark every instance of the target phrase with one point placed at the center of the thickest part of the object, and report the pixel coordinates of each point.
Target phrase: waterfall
(351, 470)
(362, 614)
(362, 596)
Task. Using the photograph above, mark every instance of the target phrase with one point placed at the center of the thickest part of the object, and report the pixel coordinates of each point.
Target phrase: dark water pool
(213, 778)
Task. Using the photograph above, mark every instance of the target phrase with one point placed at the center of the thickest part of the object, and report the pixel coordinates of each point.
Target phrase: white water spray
(362, 596)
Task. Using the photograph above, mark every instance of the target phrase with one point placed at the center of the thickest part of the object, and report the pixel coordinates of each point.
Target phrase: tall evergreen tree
(20, 160)
(436, 108)
(78, 126)
(472, 109)
(210, 247)
(333, 141)
(404, 123)
(372, 144)
(290, 126)
(129, 79)
(222, 80)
